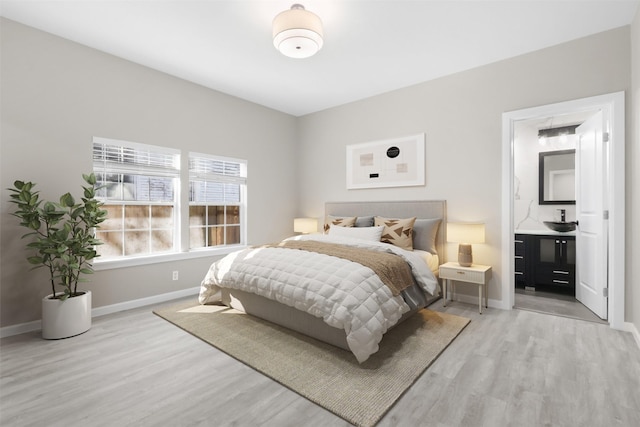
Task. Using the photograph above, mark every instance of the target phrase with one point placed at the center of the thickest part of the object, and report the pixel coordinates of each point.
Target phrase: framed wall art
(398, 162)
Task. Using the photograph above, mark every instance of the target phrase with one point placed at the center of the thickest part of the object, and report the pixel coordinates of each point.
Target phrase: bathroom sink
(562, 227)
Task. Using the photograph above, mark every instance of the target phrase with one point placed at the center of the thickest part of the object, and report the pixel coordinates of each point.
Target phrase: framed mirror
(557, 177)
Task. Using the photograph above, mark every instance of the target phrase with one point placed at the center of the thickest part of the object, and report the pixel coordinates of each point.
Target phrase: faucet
(562, 215)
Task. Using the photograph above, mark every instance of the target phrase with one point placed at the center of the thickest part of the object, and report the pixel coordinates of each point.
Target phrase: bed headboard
(421, 209)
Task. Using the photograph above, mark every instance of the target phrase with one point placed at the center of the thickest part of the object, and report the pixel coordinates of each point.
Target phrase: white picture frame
(397, 162)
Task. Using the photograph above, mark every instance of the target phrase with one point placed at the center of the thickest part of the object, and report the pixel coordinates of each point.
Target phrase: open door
(592, 215)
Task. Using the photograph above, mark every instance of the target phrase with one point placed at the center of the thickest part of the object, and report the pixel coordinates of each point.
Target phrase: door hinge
(605, 136)
(605, 215)
(605, 292)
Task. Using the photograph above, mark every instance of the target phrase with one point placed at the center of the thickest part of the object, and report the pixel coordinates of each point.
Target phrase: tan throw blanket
(394, 272)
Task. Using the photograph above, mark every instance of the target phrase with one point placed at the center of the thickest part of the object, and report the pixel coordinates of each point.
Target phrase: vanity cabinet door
(555, 261)
(523, 257)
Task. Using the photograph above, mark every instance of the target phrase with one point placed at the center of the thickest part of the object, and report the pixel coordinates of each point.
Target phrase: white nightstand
(478, 274)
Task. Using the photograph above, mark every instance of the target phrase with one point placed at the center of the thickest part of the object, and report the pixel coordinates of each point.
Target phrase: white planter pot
(63, 319)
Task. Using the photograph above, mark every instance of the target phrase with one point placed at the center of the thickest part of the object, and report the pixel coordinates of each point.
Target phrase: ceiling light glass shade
(297, 33)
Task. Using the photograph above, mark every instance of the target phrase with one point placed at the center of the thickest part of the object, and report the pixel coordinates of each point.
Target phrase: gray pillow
(364, 221)
(424, 234)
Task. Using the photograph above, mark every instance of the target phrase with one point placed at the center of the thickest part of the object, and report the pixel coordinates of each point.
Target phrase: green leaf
(67, 200)
(49, 207)
(35, 260)
(77, 212)
(90, 179)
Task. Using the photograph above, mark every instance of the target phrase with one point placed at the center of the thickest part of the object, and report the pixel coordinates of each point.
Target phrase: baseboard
(36, 325)
(630, 327)
(128, 305)
(473, 299)
(21, 328)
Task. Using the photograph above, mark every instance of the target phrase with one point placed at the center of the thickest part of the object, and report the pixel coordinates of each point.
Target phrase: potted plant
(63, 241)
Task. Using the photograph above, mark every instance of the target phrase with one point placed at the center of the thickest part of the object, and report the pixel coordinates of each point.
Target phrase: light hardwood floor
(507, 368)
(551, 303)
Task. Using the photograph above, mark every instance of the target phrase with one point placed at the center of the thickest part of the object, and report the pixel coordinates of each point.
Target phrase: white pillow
(430, 259)
(363, 233)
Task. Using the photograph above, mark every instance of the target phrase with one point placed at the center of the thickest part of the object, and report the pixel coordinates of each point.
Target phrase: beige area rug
(324, 374)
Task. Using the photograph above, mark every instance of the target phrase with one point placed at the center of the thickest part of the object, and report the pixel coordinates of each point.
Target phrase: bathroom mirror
(557, 177)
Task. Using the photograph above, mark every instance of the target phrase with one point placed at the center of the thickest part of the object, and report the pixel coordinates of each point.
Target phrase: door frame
(612, 105)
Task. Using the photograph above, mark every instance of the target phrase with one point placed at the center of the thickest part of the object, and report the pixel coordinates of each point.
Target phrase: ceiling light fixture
(297, 33)
(551, 132)
(562, 132)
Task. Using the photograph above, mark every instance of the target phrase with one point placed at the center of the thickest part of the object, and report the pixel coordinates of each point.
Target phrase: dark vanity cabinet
(545, 260)
(523, 247)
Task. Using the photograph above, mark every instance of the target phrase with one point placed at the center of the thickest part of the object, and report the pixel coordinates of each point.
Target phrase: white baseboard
(630, 327)
(21, 328)
(128, 305)
(473, 299)
(36, 325)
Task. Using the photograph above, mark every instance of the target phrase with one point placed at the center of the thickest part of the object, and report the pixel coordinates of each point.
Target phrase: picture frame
(397, 162)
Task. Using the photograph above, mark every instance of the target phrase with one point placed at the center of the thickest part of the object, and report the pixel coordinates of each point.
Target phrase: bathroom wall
(528, 213)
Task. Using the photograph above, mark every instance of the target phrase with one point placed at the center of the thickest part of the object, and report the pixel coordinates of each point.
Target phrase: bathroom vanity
(545, 259)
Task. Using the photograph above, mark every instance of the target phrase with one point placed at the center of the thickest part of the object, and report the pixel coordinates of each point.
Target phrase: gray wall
(633, 184)
(461, 115)
(57, 95)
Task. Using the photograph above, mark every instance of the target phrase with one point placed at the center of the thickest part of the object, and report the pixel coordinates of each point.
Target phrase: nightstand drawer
(464, 275)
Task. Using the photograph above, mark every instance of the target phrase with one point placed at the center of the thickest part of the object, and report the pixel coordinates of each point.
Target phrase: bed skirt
(292, 318)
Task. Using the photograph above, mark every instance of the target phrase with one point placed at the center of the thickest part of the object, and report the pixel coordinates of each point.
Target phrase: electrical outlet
(175, 275)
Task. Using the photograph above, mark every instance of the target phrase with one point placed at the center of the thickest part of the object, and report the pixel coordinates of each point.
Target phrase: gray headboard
(421, 209)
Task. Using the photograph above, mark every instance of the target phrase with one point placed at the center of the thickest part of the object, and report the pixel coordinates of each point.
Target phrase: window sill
(100, 265)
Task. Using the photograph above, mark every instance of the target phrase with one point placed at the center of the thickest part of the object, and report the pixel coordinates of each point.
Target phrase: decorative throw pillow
(398, 232)
(424, 234)
(339, 221)
(364, 233)
(364, 221)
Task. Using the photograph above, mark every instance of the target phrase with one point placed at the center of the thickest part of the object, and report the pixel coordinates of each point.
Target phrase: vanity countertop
(545, 232)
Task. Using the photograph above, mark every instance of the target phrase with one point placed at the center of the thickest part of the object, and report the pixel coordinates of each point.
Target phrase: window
(139, 193)
(217, 189)
(146, 222)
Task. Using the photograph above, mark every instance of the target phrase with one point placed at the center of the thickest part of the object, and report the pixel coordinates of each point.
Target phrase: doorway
(612, 107)
(544, 157)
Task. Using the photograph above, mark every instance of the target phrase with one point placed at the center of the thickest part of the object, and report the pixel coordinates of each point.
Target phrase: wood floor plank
(506, 368)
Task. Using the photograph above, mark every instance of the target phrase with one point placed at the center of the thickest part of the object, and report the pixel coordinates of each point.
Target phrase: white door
(591, 236)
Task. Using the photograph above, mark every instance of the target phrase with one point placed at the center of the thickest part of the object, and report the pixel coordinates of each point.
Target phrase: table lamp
(465, 234)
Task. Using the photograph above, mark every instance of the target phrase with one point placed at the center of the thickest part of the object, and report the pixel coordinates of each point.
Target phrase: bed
(252, 290)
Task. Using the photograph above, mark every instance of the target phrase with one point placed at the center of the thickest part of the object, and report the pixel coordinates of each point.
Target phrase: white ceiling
(371, 46)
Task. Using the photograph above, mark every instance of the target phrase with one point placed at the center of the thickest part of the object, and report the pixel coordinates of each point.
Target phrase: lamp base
(465, 257)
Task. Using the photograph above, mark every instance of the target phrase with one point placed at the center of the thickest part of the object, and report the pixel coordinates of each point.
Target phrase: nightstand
(478, 274)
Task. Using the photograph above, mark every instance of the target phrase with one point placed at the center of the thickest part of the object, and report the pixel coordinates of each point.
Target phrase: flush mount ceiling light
(297, 33)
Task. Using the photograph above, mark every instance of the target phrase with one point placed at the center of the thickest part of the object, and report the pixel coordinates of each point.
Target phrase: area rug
(324, 374)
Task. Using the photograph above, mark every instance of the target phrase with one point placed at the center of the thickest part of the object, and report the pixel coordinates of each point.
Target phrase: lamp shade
(460, 232)
(305, 225)
(297, 33)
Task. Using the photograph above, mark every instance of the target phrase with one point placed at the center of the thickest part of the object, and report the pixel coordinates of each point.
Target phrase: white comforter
(344, 294)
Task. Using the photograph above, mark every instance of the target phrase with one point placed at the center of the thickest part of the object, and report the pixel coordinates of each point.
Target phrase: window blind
(124, 157)
(216, 179)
